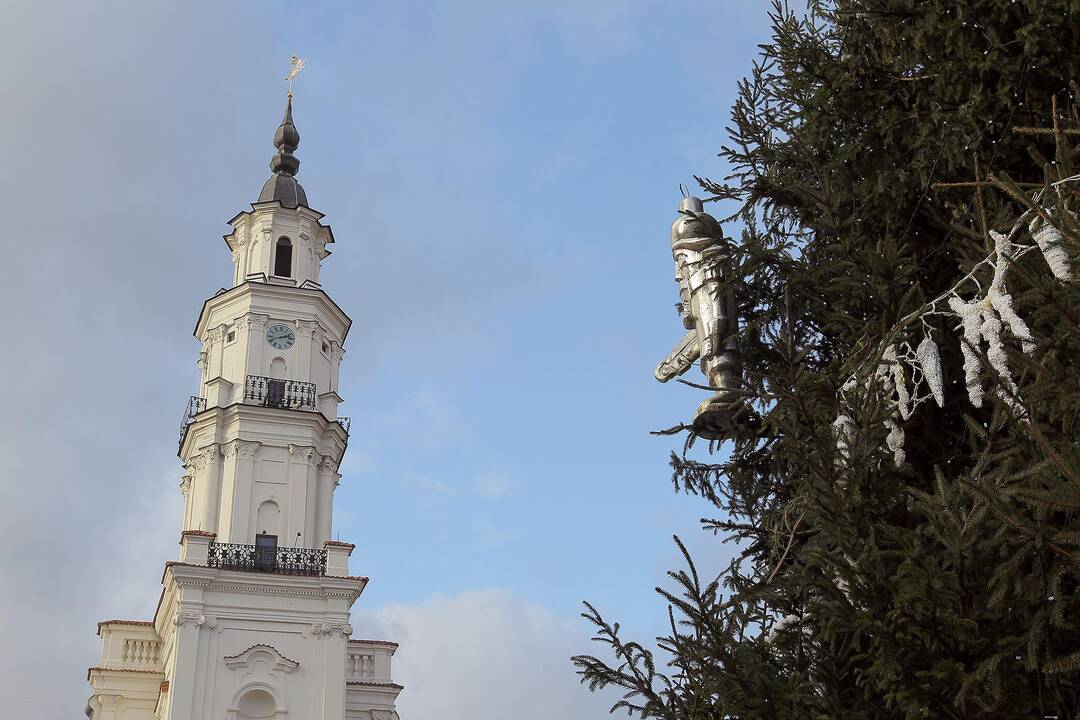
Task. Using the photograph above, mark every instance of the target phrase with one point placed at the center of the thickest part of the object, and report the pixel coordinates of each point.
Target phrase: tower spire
(282, 185)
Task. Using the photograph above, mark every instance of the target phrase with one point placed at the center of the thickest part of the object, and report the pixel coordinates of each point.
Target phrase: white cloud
(492, 485)
(483, 653)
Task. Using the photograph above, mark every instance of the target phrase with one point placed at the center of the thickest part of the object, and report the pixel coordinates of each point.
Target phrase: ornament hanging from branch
(703, 270)
(983, 320)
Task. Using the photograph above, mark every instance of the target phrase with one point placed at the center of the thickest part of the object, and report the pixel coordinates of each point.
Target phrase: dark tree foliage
(945, 586)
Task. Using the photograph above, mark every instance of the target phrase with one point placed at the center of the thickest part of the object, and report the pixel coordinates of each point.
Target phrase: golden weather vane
(297, 65)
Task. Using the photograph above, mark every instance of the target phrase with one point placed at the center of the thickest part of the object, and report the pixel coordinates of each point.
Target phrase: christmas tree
(904, 490)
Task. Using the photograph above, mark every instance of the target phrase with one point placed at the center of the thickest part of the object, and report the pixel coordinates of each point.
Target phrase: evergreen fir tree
(906, 500)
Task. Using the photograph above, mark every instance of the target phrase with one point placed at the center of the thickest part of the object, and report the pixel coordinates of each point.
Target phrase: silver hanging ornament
(707, 306)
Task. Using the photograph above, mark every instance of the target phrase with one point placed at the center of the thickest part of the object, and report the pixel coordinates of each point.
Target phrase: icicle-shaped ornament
(930, 362)
(999, 297)
(1048, 238)
(971, 322)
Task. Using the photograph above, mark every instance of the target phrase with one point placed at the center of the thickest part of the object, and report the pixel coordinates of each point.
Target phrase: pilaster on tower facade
(253, 619)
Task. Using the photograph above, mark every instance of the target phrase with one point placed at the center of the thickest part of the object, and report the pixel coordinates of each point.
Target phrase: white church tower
(253, 619)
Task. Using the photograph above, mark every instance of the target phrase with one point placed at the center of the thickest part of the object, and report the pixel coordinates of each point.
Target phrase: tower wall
(253, 619)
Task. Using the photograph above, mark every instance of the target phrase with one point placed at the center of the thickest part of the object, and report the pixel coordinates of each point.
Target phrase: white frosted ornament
(999, 297)
(1049, 238)
(930, 361)
(999, 359)
(903, 398)
(1002, 302)
(971, 322)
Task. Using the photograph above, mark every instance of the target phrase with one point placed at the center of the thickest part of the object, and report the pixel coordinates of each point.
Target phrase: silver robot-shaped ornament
(707, 305)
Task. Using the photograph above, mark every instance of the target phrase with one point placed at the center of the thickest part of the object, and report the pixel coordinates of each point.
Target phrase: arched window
(283, 257)
(256, 703)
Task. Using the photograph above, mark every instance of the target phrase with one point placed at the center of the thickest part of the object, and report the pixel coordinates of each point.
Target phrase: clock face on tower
(280, 337)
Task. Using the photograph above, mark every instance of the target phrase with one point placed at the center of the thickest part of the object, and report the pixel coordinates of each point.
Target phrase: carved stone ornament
(180, 619)
(328, 463)
(210, 453)
(185, 485)
(343, 629)
(202, 458)
(239, 448)
(215, 334)
(203, 357)
(708, 309)
(110, 701)
(253, 321)
(306, 327)
(302, 454)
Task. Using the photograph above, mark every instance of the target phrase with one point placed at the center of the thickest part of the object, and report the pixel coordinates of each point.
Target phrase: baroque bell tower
(253, 619)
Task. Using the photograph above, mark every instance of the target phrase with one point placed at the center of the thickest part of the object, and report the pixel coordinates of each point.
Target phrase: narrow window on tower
(283, 257)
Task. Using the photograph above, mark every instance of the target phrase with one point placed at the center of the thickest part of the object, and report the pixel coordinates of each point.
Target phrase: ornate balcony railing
(271, 392)
(267, 559)
(195, 406)
(345, 422)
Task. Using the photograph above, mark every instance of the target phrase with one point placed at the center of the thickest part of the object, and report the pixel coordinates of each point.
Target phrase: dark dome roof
(285, 189)
(282, 185)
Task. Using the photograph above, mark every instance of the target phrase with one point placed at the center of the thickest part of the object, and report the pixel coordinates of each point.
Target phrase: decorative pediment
(261, 657)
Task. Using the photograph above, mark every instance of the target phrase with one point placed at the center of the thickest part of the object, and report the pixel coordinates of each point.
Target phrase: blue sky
(500, 178)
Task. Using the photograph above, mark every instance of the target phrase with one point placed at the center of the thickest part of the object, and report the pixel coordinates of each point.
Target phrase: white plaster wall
(245, 314)
(220, 615)
(255, 236)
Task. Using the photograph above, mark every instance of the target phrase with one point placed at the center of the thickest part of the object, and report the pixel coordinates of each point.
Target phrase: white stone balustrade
(359, 666)
(141, 652)
(127, 644)
(368, 661)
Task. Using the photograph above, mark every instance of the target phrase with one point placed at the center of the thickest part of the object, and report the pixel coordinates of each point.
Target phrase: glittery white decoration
(1049, 238)
(899, 384)
(999, 297)
(971, 319)
(930, 362)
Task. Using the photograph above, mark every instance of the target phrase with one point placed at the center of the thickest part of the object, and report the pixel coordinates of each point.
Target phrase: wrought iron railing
(194, 406)
(345, 422)
(267, 559)
(271, 392)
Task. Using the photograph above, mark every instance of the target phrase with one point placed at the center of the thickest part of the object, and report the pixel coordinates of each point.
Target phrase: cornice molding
(334, 314)
(247, 659)
(204, 578)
